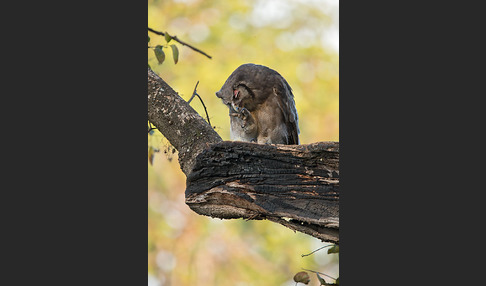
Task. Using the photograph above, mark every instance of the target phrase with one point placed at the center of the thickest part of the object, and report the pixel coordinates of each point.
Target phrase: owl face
(242, 97)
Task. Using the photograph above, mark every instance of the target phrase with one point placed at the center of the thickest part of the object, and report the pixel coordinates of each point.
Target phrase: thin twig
(180, 42)
(207, 116)
(194, 93)
(319, 273)
(316, 250)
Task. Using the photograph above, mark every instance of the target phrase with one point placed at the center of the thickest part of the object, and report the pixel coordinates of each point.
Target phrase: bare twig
(319, 273)
(194, 93)
(180, 42)
(316, 250)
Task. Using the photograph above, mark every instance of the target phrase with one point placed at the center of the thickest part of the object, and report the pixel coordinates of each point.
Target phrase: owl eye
(235, 93)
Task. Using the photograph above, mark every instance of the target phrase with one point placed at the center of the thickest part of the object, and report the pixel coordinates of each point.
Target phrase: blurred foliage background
(297, 38)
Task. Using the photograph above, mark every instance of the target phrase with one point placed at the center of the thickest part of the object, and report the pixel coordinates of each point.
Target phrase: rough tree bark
(294, 185)
(185, 129)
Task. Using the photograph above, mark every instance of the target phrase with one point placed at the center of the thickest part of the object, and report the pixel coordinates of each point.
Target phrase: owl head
(249, 85)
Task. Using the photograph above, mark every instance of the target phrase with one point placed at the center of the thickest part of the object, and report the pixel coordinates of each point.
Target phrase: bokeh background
(299, 39)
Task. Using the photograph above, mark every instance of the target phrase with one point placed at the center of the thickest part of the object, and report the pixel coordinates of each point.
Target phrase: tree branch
(185, 129)
(180, 42)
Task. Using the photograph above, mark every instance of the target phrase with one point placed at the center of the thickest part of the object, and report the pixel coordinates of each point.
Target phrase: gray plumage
(261, 106)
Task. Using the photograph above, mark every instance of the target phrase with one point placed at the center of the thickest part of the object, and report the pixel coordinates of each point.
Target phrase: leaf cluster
(159, 49)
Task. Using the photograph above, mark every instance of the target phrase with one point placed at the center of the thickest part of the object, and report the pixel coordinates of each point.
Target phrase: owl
(261, 106)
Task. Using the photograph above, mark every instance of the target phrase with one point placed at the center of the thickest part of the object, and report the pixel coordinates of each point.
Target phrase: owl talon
(244, 113)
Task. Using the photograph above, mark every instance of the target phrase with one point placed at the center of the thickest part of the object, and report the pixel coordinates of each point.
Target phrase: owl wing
(285, 100)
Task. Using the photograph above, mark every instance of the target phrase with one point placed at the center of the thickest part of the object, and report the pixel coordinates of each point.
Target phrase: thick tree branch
(294, 185)
(185, 129)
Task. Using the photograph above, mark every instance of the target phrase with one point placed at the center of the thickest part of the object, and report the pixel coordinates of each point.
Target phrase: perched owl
(261, 106)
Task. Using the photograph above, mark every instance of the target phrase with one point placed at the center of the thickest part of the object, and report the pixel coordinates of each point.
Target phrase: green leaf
(321, 280)
(167, 37)
(148, 38)
(175, 53)
(159, 54)
(334, 249)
